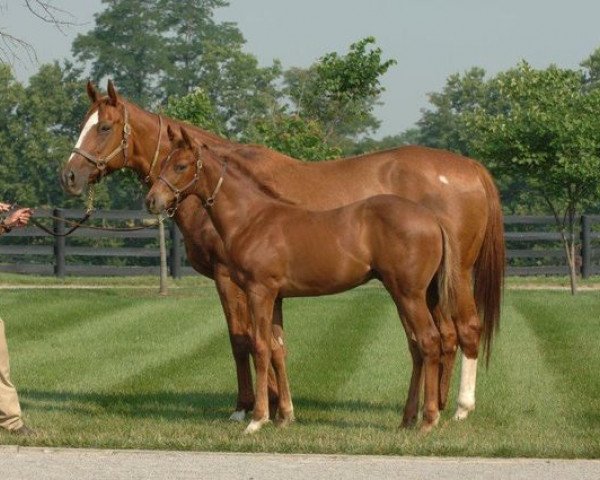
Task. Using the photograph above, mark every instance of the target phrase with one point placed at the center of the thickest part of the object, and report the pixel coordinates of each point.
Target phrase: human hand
(4, 207)
(18, 218)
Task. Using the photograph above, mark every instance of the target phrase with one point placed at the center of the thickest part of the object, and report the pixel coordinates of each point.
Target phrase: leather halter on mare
(101, 162)
(209, 202)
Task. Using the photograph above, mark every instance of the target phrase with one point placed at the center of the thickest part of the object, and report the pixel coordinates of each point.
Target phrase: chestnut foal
(278, 250)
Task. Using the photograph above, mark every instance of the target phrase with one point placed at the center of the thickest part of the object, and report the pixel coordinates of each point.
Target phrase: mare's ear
(187, 138)
(92, 92)
(112, 94)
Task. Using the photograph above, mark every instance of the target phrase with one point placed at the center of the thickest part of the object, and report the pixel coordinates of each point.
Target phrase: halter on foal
(278, 250)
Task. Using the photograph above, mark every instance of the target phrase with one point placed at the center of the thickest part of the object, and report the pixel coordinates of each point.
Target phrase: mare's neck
(147, 136)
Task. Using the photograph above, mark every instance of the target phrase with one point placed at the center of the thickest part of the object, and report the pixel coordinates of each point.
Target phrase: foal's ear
(172, 134)
(92, 92)
(112, 94)
(187, 138)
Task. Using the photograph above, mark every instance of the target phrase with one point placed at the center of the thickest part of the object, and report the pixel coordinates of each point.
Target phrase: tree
(126, 45)
(443, 125)
(197, 109)
(292, 135)
(545, 130)
(340, 92)
(11, 46)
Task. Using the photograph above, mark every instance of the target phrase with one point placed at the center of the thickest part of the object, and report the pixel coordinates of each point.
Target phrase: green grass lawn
(124, 368)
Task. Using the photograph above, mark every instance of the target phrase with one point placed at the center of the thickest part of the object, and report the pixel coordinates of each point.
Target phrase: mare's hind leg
(468, 328)
(449, 345)
(234, 303)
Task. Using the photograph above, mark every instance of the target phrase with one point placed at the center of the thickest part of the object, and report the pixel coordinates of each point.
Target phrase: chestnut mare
(459, 190)
(278, 250)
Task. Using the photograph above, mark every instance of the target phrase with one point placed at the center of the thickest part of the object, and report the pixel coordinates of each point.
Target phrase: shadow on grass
(200, 406)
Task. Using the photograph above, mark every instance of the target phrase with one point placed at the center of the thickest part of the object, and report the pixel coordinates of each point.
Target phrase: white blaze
(91, 123)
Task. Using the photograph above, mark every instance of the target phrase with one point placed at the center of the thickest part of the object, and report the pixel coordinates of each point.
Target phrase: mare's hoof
(238, 416)
(462, 412)
(255, 426)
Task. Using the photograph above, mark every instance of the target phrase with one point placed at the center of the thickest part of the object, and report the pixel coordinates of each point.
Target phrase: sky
(430, 39)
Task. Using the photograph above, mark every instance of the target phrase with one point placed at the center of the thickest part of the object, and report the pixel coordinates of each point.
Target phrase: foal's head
(181, 173)
(103, 142)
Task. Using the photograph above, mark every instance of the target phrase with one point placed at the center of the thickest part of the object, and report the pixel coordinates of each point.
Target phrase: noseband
(209, 202)
(101, 162)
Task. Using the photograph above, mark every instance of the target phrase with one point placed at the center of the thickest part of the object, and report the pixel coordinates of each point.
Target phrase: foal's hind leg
(449, 345)
(411, 408)
(413, 308)
(280, 407)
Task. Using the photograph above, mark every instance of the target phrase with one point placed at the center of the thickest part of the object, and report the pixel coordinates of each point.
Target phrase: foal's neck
(238, 201)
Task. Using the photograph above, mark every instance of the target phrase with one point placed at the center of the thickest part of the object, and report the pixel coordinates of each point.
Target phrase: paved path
(29, 463)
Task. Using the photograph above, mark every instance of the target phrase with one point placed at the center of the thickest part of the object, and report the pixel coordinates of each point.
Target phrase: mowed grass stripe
(118, 344)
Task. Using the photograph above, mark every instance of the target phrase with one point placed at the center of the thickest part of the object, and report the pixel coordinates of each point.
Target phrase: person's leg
(10, 410)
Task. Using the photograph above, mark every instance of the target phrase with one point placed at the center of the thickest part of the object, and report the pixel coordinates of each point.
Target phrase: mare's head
(104, 144)
(180, 173)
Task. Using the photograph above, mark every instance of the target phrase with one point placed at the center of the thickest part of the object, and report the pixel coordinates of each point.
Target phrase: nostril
(71, 177)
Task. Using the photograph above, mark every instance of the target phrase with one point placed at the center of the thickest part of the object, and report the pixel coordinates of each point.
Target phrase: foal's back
(311, 253)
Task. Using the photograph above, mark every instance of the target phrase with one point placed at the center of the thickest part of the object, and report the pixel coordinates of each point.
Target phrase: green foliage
(412, 136)
(37, 132)
(195, 108)
(340, 91)
(294, 136)
(126, 45)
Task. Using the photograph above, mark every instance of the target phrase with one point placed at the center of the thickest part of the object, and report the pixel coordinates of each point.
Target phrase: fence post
(586, 247)
(175, 253)
(59, 244)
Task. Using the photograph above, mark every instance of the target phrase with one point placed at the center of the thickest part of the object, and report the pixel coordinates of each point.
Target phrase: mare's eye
(180, 167)
(105, 127)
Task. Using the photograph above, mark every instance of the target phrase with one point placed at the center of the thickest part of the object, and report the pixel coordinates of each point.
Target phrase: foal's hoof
(255, 426)
(429, 425)
(284, 420)
(238, 416)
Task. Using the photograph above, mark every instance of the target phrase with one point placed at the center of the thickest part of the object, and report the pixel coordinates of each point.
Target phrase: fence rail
(533, 246)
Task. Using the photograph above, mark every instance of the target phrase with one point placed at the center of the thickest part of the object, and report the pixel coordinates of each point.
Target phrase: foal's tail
(446, 277)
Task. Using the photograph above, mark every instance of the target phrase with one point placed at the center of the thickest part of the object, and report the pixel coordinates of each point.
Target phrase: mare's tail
(490, 264)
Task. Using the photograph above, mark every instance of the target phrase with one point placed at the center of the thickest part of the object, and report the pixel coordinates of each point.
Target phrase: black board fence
(533, 246)
(92, 252)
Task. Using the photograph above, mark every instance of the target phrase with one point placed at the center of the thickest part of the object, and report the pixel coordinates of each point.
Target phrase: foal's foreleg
(411, 407)
(234, 303)
(260, 303)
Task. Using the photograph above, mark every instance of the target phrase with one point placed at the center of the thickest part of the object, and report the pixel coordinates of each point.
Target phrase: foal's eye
(180, 167)
(105, 127)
